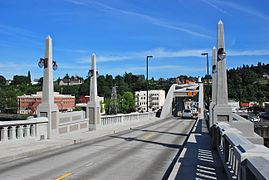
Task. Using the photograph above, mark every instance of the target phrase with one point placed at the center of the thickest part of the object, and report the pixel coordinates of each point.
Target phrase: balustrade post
(226, 150)
(33, 129)
(122, 119)
(20, 132)
(13, 133)
(27, 131)
(4, 134)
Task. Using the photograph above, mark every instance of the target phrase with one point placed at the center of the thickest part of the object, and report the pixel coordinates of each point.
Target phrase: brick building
(27, 104)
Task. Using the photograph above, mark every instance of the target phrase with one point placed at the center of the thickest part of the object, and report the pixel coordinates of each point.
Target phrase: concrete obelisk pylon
(222, 111)
(93, 106)
(48, 108)
(214, 86)
(201, 99)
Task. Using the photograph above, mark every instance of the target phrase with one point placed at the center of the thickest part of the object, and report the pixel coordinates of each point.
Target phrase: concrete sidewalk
(10, 151)
(197, 159)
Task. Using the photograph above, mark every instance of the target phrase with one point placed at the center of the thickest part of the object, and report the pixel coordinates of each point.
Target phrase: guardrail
(240, 157)
(121, 119)
(23, 129)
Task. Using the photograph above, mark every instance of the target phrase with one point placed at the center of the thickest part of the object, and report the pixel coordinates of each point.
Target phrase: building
(85, 99)
(73, 81)
(156, 100)
(27, 104)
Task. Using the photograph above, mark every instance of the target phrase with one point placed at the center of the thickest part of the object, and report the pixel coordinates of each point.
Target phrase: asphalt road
(142, 153)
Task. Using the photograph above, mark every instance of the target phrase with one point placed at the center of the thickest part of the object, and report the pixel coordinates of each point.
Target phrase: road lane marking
(149, 135)
(64, 176)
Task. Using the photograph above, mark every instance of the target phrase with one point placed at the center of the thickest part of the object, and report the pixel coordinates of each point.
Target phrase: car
(187, 113)
(252, 117)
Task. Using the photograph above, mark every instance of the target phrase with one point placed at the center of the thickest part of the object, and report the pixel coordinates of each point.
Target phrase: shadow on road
(162, 132)
(147, 141)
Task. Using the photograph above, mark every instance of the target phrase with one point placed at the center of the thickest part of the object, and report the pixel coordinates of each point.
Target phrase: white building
(156, 100)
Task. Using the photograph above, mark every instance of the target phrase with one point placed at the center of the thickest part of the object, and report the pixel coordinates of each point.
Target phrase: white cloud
(72, 50)
(216, 7)
(16, 31)
(77, 2)
(160, 53)
(242, 8)
(151, 19)
(12, 65)
(167, 69)
(257, 52)
(156, 53)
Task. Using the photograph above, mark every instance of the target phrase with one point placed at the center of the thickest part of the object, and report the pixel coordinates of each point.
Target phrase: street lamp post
(207, 77)
(148, 82)
(207, 63)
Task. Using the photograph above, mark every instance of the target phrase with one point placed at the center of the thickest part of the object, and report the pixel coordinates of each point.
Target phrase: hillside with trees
(249, 83)
(246, 83)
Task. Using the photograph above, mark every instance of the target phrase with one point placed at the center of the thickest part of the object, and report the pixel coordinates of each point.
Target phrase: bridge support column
(222, 111)
(201, 100)
(48, 108)
(93, 106)
(214, 88)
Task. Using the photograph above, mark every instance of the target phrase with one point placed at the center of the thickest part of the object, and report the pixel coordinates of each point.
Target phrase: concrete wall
(72, 122)
(122, 119)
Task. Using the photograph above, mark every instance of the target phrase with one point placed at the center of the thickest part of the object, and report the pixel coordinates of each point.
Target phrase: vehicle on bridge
(187, 113)
(253, 118)
(250, 116)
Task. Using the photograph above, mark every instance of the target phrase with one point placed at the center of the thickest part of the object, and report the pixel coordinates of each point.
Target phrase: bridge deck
(198, 160)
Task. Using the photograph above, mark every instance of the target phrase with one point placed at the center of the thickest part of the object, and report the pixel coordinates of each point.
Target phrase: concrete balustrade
(255, 168)
(121, 119)
(23, 129)
(238, 154)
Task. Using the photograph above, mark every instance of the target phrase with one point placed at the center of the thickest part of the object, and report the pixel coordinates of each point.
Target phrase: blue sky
(123, 32)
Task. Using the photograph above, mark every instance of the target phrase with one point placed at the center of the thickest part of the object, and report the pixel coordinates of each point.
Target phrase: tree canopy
(246, 83)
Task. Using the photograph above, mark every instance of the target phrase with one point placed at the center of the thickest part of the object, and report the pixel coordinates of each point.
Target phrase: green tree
(29, 77)
(17, 80)
(127, 102)
(2, 80)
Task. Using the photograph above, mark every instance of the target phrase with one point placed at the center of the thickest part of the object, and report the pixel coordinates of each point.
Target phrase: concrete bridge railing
(70, 122)
(35, 128)
(241, 158)
(121, 119)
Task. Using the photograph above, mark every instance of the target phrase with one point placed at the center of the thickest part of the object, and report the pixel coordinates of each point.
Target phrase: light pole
(148, 82)
(207, 63)
(207, 76)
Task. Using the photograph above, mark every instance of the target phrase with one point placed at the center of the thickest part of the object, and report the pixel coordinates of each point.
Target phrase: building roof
(39, 95)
